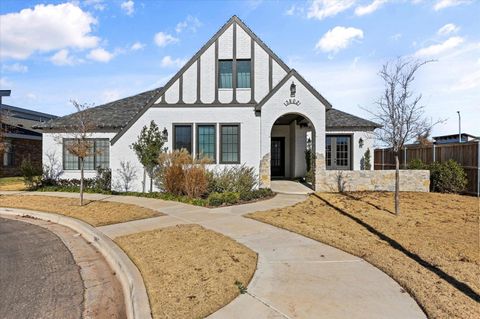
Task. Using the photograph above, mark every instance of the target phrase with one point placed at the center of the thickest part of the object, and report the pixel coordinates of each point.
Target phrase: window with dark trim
(206, 141)
(100, 157)
(243, 73)
(182, 137)
(8, 154)
(229, 144)
(225, 72)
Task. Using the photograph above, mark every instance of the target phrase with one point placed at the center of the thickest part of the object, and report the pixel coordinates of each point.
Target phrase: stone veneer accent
(265, 171)
(352, 181)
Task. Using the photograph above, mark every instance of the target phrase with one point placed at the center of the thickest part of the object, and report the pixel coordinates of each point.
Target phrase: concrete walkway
(290, 187)
(296, 277)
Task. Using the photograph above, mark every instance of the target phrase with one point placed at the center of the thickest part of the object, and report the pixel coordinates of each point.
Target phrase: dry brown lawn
(189, 271)
(12, 184)
(431, 249)
(96, 213)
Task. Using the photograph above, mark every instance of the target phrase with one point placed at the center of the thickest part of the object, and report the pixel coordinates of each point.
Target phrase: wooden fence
(466, 154)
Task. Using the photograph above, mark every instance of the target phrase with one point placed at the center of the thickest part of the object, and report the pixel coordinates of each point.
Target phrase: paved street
(38, 275)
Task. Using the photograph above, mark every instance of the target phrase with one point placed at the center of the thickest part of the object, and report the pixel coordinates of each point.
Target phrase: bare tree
(399, 111)
(79, 142)
(127, 174)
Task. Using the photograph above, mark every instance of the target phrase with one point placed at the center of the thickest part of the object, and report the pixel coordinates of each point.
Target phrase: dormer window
(225, 74)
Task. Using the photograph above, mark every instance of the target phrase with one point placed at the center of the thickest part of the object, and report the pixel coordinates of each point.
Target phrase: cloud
(442, 4)
(367, 9)
(100, 55)
(447, 29)
(137, 46)
(320, 9)
(96, 4)
(63, 57)
(46, 28)
(128, 7)
(190, 23)
(163, 39)
(338, 38)
(5, 83)
(468, 81)
(14, 68)
(168, 62)
(436, 49)
(110, 95)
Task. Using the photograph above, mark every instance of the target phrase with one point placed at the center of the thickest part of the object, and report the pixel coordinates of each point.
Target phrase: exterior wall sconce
(360, 142)
(293, 89)
(165, 134)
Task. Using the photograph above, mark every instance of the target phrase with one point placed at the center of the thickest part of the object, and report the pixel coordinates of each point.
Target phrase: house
(237, 102)
(453, 138)
(20, 139)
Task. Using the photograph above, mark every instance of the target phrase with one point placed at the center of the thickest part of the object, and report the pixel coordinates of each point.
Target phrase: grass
(432, 249)
(95, 213)
(11, 184)
(189, 272)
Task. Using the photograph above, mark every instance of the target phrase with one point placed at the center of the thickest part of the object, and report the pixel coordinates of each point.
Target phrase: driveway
(39, 277)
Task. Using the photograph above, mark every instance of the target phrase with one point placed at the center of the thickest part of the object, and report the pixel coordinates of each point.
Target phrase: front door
(277, 162)
(338, 152)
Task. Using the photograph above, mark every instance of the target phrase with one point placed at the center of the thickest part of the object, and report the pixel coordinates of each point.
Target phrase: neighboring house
(21, 139)
(453, 138)
(235, 101)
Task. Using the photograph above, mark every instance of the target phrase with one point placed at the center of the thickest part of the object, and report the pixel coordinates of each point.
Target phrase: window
(338, 152)
(100, 157)
(8, 154)
(182, 137)
(230, 144)
(243, 73)
(206, 141)
(225, 71)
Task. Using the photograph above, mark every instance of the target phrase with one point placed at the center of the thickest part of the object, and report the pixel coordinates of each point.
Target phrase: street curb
(136, 299)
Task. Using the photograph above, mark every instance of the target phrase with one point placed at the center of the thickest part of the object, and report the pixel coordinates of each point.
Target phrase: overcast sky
(97, 51)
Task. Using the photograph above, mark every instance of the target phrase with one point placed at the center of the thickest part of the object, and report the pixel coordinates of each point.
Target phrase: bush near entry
(446, 177)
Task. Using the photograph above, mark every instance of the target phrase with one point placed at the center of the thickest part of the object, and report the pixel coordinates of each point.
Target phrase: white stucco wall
(164, 117)
(357, 152)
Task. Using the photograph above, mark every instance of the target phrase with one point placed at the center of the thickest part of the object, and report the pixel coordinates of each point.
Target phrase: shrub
(103, 180)
(447, 177)
(256, 194)
(218, 199)
(181, 174)
(126, 175)
(52, 169)
(417, 164)
(32, 175)
(367, 165)
(239, 179)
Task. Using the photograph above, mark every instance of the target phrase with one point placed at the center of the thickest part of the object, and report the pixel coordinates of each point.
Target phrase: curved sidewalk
(296, 277)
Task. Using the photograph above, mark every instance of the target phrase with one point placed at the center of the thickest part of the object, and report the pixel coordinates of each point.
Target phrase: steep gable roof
(294, 73)
(111, 116)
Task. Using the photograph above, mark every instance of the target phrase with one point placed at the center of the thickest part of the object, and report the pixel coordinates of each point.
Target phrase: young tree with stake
(149, 145)
(399, 111)
(79, 141)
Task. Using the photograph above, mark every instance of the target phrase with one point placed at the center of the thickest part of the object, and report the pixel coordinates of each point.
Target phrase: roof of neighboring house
(110, 116)
(453, 136)
(336, 119)
(23, 119)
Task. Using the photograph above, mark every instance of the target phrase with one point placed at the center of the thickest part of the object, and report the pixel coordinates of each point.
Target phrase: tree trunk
(144, 180)
(397, 185)
(81, 181)
(151, 183)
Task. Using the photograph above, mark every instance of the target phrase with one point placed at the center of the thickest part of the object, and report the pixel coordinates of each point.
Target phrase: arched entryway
(292, 148)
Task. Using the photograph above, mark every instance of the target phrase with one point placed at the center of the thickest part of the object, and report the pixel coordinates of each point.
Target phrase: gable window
(229, 144)
(182, 137)
(243, 73)
(225, 72)
(206, 141)
(100, 148)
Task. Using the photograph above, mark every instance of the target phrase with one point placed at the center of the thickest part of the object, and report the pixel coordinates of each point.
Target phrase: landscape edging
(135, 294)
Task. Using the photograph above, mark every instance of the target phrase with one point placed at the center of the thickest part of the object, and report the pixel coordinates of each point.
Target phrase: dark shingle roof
(111, 116)
(336, 119)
